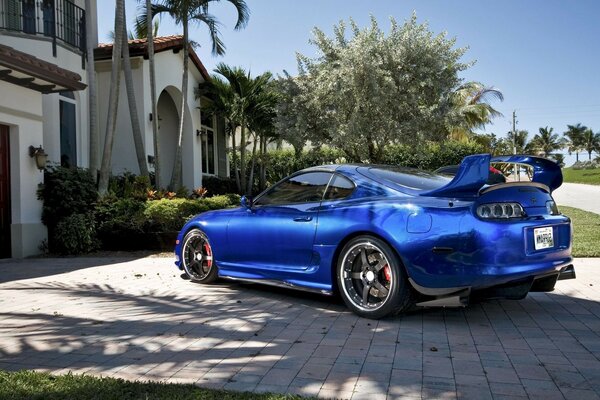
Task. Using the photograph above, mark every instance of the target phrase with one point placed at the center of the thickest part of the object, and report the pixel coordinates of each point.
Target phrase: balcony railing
(57, 19)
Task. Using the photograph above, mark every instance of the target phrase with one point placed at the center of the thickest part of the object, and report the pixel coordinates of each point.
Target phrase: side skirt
(283, 284)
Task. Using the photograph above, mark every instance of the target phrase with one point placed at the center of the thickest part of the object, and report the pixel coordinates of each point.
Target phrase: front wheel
(371, 279)
(197, 257)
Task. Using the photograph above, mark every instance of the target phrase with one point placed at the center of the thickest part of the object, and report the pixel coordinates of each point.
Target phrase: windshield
(409, 178)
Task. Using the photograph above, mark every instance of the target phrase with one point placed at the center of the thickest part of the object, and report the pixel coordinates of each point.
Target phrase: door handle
(303, 219)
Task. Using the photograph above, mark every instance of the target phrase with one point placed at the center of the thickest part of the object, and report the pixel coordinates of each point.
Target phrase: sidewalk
(578, 195)
(137, 319)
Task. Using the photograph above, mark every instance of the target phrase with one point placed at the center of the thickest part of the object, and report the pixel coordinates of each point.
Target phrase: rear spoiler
(474, 171)
(545, 171)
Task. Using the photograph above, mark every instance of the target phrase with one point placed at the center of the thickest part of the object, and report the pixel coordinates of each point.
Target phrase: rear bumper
(512, 289)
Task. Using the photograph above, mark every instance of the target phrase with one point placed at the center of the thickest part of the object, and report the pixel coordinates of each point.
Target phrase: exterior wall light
(41, 158)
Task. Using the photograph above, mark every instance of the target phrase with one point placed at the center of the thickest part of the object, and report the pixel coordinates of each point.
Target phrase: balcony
(58, 20)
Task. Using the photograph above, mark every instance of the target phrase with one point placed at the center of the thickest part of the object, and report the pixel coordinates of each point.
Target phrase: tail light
(500, 211)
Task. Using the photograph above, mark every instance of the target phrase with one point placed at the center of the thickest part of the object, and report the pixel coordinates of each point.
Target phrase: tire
(367, 262)
(196, 257)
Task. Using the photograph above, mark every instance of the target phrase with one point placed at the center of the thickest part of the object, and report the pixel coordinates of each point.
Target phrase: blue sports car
(389, 238)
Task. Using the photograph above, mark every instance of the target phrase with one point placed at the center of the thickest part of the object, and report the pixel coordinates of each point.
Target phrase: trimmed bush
(129, 224)
(75, 234)
(218, 186)
(66, 193)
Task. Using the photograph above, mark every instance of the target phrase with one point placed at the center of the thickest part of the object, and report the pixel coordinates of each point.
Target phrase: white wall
(169, 68)
(21, 110)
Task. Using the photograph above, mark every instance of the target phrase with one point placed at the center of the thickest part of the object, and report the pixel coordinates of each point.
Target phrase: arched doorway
(168, 107)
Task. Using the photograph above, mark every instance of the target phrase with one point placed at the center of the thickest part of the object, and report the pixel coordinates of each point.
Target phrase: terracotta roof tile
(139, 47)
(30, 65)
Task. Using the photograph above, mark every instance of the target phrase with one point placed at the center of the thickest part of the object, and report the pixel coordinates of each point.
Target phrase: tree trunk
(590, 154)
(576, 156)
(177, 164)
(263, 161)
(92, 97)
(138, 140)
(243, 156)
(251, 177)
(234, 158)
(113, 99)
(153, 100)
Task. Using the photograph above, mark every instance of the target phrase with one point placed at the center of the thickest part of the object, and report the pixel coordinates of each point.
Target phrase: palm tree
(140, 29)
(246, 103)
(222, 97)
(590, 142)
(518, 140)
(472, 109)
(92, 97)
(261, 122)
(574, 134)
(113, 98)
(547, 142)
(185, 12)
(138, 141)
(154, 106)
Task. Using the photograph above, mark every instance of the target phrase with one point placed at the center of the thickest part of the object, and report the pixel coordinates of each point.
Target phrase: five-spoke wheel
(197, 257)
(372, 282)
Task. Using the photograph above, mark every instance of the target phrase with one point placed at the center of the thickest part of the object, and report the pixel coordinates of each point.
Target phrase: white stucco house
(204, 139)
(43, 103)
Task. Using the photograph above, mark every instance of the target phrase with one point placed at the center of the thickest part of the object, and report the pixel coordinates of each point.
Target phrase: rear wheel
(197, 257)
(371, 278)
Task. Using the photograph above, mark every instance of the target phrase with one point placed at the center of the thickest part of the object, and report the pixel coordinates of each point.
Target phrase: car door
(277, 233)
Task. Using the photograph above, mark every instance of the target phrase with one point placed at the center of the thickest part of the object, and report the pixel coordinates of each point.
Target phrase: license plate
(543, 238)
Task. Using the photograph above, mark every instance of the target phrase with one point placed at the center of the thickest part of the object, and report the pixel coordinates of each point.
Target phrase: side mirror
(246, 202)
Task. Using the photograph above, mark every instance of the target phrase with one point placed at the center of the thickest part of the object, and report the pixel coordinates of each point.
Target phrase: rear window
(414, 179)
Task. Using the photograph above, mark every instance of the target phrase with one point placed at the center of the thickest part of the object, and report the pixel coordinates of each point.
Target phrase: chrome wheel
(197, 256)
(366, 276)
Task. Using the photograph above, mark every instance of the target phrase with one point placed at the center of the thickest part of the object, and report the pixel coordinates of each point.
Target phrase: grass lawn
(36, 385)
(589, 176)
(586, 231)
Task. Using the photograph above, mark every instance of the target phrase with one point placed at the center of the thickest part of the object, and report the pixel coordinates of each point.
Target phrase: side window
(339, 188)
(303, 188)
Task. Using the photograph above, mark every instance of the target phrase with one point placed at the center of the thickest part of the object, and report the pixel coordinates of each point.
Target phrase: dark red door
(4, 193)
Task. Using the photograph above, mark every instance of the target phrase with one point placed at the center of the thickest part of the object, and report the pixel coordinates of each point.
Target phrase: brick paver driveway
(137, 319)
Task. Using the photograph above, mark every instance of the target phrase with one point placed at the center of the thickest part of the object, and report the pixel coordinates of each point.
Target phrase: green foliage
(40, 385)
(589, 175)
(66, 191)
(164, 215)
(370, 89)
(129, 185)
(430, 156)
(75, 234)
(586, 226)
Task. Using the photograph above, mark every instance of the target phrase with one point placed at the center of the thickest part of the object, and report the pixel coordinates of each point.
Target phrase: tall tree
(591, 142)
(471, 109)
(113, 99)
(138, 140)
(369, 89)
(154, 106)
(92, 96)
(546, 142)
(185, 12)
(518, 142)
(574, 140)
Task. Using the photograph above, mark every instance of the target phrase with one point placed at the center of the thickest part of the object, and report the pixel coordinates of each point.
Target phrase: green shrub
(120, 215)
(129, 185)
(170, 215)
(75, 234)
(66, 191)
(430, 156)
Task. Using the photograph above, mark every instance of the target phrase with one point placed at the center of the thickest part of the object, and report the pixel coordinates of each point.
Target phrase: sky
(544, 55)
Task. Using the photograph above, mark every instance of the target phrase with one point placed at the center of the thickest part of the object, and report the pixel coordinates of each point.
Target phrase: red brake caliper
(387, 273)
(208, 253)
